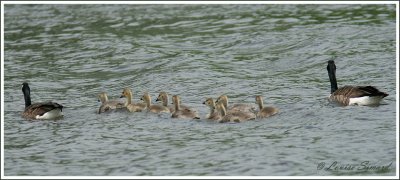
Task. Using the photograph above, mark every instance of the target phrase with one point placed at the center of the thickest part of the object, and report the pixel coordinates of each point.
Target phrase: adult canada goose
(183, 113)
(132, 107)
(352, 95)
(155, 108)
(265, 112)
(236, 107)
(214, 115)
(108, 105)
(42, 110)
(233, 116)
(163, 97)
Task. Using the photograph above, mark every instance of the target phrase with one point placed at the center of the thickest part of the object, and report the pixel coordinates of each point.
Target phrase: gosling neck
(103, 98)
(222, 110)
(165, 100)
(177, 104)
(225, 103)
(261, 104)
(129, 98)
(147, 101)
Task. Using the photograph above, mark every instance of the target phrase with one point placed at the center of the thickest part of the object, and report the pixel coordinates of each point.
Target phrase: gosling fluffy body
(183, 113)
(233, 116)
(132, 107)
(155, 108)
(265, 112)
(236, 107)
(109, 105)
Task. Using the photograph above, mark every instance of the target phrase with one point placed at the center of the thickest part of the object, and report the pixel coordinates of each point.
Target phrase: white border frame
(199, 2)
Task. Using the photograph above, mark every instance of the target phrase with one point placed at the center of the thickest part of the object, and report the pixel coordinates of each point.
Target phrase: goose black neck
(27, 94)
(332, 75)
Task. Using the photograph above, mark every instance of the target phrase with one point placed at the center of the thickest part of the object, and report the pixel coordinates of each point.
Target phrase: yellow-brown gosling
(183, 113)
(132, 107)
(236, 107)
(155, 108)
(265, 112)
(163, 97)
(214, 115)
(233, 116)
(352, 95)
(42, 110)
(108, 105)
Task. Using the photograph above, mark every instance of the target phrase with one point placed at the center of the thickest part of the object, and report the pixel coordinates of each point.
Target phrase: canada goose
(42, 110)
(236, 107)
(233, 116)
(214, 115)
(132, 107)
(184, 113)
(107, 105)
(265, 112)
(155, 108)
(352, 95)
(163, 97)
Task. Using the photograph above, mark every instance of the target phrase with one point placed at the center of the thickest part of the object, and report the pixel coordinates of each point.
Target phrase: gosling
(265, 112)
(182, 113)
(155, 108)
(108, 105)
(236, 107)
(214, 115)
(163, 97)
(132, 107)
(233, 116)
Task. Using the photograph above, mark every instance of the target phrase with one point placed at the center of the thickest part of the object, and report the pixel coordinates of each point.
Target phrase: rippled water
(70, 53)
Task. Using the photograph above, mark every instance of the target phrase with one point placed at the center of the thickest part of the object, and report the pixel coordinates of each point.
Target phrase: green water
(70, 53)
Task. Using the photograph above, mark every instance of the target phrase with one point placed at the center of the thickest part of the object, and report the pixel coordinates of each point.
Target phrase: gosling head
(126, 92)
(146, 97)
(163, 97)
(222, 98)
(209, 102)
